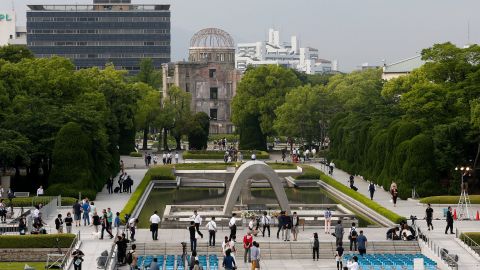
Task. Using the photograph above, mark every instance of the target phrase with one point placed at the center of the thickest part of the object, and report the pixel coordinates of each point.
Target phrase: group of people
(125, 183)
(221, 144)
(87, 211)
(232, 155)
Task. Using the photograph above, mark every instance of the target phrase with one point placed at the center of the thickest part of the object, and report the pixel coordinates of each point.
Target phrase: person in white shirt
(1, 191)
(132, 225)
(328, 220)
(265, 220)
(176, 157)
(154, 221)
(198, 221)
(331, 167)
(212, 230)
(353, 263)
(40, 191)
(228, 244)
(164, 158)
(233, 227)
(254, 157)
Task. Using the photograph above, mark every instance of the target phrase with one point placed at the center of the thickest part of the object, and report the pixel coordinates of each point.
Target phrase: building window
(213, 93)
(187, 87)
(212, 73)
(213, 114)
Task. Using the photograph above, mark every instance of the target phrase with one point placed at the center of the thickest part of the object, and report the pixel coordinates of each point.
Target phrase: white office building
(10, 33)
(287, 54)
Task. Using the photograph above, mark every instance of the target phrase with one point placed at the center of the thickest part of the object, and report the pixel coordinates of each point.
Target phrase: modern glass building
(109, 31)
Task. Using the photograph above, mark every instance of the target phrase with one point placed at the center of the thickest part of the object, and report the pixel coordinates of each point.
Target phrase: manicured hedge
(135, 154)
(223, 166)
(205, 154)
(36, 240)
(157, 173)
(31, 201)
(309, 173)
(475, 199)
(66, 190)
(362, 199)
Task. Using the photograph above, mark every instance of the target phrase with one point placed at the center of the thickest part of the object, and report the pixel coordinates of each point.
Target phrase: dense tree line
(413, 130)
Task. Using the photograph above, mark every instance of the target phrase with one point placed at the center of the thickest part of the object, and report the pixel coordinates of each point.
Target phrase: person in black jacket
(449, 220)
(281, 221)
(287, 227)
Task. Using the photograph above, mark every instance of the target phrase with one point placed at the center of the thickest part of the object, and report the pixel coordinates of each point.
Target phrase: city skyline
(353, 32)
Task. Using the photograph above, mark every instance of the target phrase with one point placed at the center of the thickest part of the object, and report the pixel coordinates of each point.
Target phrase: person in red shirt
(247, 244)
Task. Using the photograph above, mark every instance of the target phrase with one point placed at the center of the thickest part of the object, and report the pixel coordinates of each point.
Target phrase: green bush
(309, 173)
(36, 240)
(475, 199)
(223, 166)
(67, 190)
(162, 173)
(205, 154)
(135, 154)
(362, 199)
(230, 137)
(31, 201)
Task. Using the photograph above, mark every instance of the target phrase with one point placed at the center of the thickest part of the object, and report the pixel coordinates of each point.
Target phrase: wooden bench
(21, 194)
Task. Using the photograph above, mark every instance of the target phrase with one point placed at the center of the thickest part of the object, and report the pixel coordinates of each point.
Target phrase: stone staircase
(283, 250)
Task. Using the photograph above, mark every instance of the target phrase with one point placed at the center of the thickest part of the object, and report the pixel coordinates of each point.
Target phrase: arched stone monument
(249, 170)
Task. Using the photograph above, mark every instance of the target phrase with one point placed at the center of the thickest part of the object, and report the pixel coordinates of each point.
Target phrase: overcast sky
(351, 31)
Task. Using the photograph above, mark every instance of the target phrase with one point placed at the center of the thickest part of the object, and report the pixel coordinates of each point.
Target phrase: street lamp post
(464, 201)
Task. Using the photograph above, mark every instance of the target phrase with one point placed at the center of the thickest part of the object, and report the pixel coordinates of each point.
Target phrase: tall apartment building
(10, 33)
(289, 55)
(108, 31)
(209, 75)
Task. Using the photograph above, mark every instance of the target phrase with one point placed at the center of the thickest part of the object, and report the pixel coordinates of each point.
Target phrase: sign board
(7, 27)
(5, 17)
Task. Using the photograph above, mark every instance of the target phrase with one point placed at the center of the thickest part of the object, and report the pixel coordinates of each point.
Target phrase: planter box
(27, 254)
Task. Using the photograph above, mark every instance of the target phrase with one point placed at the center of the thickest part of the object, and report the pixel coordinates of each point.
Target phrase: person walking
(247, 244)
(295, 225)
(212, 230)
(255, 255)
(316, 246)
(154, 221)
(371, 189)
(328, 220)
(339, 232)
(132, 226)
(266, 220)
(109, 219)
(93, 209)
(338, 256)
(198, 221)
(228, 261)
(394, 193)
(122, 244)
(233, 227)
(287, 227)
(281, 224)
(331, 166)
(116, 223)
(105, 226)
(3, 211)
(59, 223)
(352, 236)
(86, 213)
(429, 216)
(449, 221)
(362, 243)
(176, 157)
(68, 222)
(40, 191)
(228, 245)
(96, 221)
(193, 237)
(77, 259)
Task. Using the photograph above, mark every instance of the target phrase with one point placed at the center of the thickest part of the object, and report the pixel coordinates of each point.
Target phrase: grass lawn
(475, 236)
(475, 199)
(21, 265)
(309, 173)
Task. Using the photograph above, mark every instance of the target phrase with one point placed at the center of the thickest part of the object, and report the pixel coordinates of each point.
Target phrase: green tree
(177, 115)
(15, 53)
(259, 93)
(198, 131)
(148, 74)
(13, 148)
(148, 109)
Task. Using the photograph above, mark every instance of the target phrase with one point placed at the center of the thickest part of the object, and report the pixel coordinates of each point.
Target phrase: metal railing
(468, 241)
(439, 251)
(60, 260)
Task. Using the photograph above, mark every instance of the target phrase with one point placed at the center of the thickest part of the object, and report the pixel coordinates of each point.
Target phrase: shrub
(309, 173)
(230, 137)
(31, 201)
(36, 241)
(135, 154)
(453, 200)
(162, 173)
(198, 133)
(362, 199)
(67, 190)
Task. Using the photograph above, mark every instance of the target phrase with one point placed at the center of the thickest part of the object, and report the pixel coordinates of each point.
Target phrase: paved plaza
(92, 246)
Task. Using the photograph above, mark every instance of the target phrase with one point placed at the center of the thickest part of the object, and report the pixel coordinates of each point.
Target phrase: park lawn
(475, 199)
(21, 265)
(309, 173)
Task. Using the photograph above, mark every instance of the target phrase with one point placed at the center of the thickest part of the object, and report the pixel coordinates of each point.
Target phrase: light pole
(464, 201)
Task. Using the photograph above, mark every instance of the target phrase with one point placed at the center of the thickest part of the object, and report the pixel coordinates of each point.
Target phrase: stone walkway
(413, 207)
